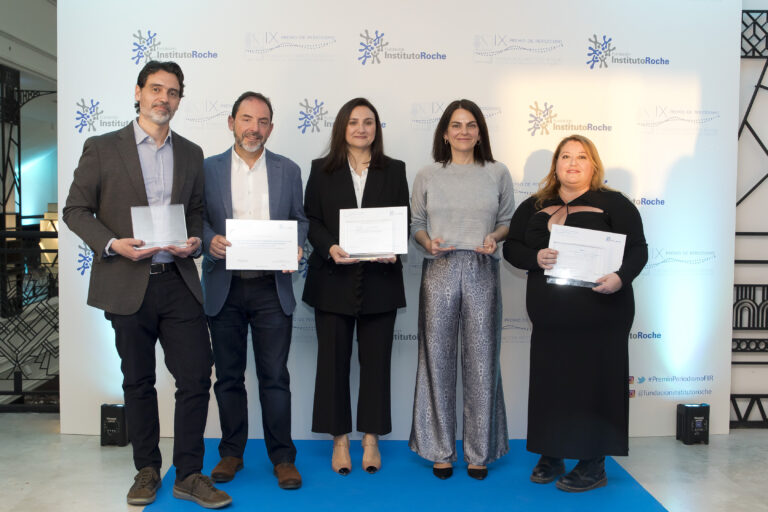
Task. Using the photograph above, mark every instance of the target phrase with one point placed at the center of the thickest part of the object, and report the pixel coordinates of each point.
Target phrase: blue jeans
(253, 302)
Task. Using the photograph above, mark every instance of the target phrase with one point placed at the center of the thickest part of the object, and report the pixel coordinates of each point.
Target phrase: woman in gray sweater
(461, 207)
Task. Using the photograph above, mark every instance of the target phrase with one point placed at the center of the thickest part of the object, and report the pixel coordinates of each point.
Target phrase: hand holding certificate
(262, 244)
(584, 255)
(159, 226)
(373, 233)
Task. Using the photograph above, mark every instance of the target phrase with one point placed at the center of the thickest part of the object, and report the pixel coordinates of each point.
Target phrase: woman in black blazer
(347, 292)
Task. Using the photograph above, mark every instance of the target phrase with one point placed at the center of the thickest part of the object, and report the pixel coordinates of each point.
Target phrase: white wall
(670, 140)
(28, 36)
(28, 43)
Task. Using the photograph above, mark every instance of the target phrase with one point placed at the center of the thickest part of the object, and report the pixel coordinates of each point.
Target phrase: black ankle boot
(547, 469)
(587, 475)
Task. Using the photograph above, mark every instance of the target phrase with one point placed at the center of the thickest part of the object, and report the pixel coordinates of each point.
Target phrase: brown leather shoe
(145, 486)
(288, 476)
(199, 488)
(226, 468)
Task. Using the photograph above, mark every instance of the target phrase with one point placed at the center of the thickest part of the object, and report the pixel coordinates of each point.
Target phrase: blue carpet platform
(405, 482)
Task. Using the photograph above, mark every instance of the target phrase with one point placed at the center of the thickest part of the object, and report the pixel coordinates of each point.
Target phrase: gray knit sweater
(461, 204)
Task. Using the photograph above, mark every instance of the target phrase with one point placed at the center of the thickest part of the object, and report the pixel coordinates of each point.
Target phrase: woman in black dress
(350, 294)
(578, 403)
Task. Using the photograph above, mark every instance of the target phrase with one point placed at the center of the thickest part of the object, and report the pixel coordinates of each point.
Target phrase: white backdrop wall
(661, 106)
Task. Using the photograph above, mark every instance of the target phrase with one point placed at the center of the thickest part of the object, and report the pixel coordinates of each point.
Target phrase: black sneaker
(145, 485)
(199, 488)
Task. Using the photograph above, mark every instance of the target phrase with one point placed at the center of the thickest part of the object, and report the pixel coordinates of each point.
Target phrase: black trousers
(253, 302)
(332, 413)
(172, 314)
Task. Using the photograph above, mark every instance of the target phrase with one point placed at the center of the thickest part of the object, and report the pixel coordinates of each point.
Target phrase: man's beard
(249, 147)
(160, 117)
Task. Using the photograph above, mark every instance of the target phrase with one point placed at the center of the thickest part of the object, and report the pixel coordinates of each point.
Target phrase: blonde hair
(549, 187)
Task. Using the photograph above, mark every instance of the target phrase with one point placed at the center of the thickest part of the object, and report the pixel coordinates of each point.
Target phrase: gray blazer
(285, 203)
(107, 182)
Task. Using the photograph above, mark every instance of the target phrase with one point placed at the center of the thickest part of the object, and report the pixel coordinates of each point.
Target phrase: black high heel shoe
(442, 473)
(478, 473)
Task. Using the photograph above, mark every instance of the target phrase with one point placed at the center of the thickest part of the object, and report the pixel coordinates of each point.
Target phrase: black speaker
(113, 430)
(693, 423)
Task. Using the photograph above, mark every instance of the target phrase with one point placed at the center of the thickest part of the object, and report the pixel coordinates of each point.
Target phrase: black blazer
(361, 288)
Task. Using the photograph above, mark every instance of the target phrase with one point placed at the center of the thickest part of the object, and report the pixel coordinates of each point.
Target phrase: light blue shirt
(157, 169)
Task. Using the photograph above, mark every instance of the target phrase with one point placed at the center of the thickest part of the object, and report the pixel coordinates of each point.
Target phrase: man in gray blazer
(150, 293)
(249, 182)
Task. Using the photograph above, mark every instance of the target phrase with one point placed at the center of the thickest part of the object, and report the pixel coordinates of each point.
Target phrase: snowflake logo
(303, 262)
(311, 115)
(599, 51)
(541, 118)
(144, 46)
(371, 47)
(84, 258)
(87, 115)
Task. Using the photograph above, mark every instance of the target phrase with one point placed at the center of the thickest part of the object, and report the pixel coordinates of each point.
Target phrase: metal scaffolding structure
(750, 301)
(28, 283)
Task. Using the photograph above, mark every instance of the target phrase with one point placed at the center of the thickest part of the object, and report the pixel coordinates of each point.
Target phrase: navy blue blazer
(285, 203)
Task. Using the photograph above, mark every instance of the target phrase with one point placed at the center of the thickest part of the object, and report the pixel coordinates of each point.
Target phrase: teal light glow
(38, 183)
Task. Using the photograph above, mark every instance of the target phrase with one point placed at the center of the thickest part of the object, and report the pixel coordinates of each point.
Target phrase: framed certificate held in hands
(370, 233)
(262, 244)
(159, 226)
(584, 255)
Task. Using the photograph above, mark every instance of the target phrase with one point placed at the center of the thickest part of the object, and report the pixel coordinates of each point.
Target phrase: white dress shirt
(250, 188)
(359, 182)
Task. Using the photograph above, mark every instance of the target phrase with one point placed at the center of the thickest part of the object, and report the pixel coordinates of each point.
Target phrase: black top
(620, 215)
(578, 335)
(359, 288)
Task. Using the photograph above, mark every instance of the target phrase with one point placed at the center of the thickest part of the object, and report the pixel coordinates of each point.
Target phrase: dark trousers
(253, 302)
(332, 412)
(171, 313)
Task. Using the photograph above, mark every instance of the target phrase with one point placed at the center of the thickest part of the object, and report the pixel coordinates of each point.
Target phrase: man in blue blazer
(249, 182)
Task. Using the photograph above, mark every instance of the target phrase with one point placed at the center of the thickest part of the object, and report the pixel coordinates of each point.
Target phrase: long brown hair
(441, 151)
(337, 148)
(549, 187)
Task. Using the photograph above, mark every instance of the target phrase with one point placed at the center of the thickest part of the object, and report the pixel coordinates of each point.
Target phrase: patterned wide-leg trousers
(459, 291)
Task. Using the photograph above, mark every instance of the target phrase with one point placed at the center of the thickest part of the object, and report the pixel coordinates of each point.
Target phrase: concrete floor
(44, 471)
(728, 475)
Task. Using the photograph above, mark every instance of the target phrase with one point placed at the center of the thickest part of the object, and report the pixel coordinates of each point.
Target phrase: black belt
(161, 268)
(251, 274)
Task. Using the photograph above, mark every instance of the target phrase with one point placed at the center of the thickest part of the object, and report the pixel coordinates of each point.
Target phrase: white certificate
(159, 226)
(262, 244)
(584, 255)
(368, 233)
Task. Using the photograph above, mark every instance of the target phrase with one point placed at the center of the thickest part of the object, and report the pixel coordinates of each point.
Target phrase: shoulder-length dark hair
(549, 187)
(337, 148)
(441, 151)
